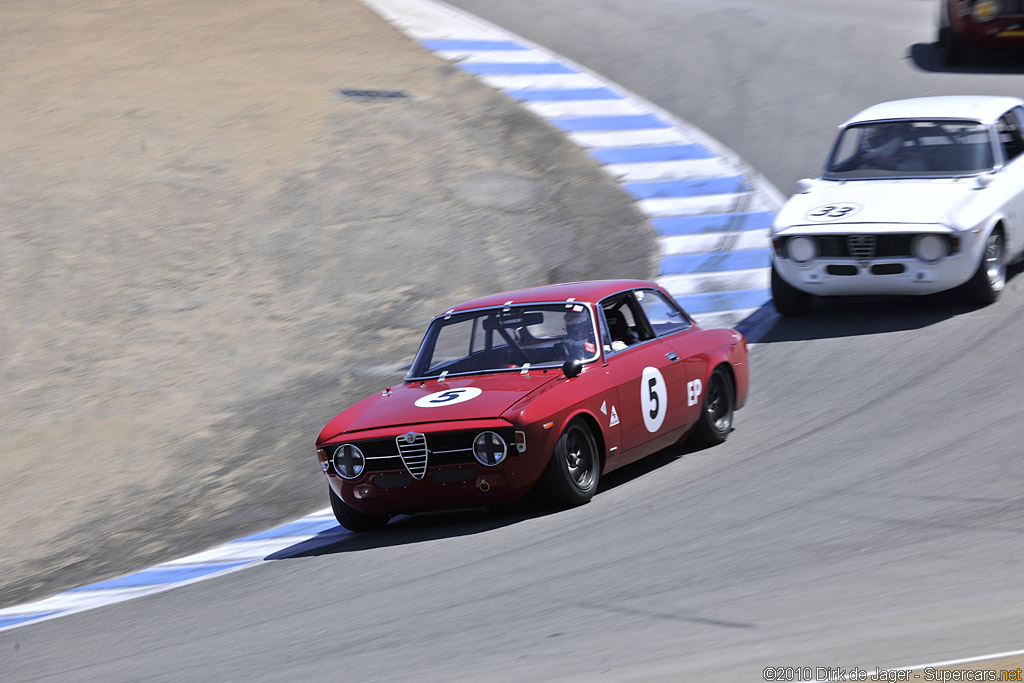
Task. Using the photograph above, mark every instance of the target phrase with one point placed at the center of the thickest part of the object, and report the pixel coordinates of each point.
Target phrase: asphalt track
(865, 512)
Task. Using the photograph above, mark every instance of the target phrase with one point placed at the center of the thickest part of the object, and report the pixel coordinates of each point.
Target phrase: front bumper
(851, 277)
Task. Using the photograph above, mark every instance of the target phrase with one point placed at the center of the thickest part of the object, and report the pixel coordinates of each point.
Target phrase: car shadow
(831, 317)
(928, 57)
(433, 526)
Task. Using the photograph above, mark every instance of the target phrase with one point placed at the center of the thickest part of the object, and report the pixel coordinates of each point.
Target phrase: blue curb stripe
(151, 577)
(692, 225)
(637, 122)
(536, 95)
(512, 69)
(11, 621)
(293, 529)
(715, 262)
(724, 301)
(636, 155)
(442, 45)
(686, 188)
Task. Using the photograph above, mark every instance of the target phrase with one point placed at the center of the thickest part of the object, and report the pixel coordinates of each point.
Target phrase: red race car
(987, 23)
(552, 386)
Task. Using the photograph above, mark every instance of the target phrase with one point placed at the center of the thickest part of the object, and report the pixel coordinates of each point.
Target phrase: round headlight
(985, 10)
(930, 248)
(349, 461)
(801, 249)
(489, 448)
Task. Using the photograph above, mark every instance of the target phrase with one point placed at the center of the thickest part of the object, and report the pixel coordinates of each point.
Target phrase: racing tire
(989, 279)
(787, 299)
(353, 519)
(574, 470)
(954, 51)
(716, 411)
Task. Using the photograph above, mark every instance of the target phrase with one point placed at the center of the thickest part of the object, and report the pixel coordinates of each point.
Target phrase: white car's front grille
(862, 247)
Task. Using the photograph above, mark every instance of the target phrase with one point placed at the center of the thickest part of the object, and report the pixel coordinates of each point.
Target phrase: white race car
(918, 196)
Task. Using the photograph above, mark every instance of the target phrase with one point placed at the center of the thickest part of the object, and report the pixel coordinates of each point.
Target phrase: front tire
(575, 467)
(353, 519)
(716, 411)
(787, 299)
(988, 281)
(954, 51)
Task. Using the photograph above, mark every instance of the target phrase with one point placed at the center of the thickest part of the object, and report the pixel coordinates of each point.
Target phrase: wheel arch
(595, 430)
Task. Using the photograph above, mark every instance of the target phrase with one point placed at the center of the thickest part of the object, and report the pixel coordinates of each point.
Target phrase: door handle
(671, 355)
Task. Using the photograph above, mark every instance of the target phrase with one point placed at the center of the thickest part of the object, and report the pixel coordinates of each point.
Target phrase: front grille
(862, 247)
(442, 448)
(885, 246)
(413, 449)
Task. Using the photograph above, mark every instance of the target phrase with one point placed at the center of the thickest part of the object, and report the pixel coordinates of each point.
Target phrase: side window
(663, 316)
(1010, 137)
(622, 325)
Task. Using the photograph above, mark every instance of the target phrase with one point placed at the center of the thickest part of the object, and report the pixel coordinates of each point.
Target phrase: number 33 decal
(653, 398)
(832, 212)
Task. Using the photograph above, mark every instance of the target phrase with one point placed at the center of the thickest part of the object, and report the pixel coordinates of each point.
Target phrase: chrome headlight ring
(489, 449)
(801, 249)
(349, 462)
(930, 248)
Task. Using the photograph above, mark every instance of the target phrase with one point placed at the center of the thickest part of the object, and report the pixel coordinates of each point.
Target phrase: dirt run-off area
(206, 252)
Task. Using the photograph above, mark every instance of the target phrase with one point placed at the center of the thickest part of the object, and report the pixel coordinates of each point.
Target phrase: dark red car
(551, 386)
(986, 23)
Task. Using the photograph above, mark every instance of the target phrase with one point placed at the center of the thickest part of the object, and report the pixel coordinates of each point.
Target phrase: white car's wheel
(789, 300)
(990, 277)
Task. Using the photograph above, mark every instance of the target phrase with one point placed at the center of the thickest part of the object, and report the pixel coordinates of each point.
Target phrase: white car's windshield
(506, 338)
(911, 149)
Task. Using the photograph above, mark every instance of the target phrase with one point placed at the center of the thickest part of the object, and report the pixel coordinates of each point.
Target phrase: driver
(879, 145)
(579, 335)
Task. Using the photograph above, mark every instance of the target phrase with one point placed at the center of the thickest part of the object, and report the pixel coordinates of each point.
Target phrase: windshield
(911, 149)
(506, 338)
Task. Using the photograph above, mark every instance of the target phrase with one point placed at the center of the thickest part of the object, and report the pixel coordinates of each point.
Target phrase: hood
(878, 201)
(460, 398)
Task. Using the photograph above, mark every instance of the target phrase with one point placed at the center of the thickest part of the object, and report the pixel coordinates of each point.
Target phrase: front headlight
(801, 249)
(349, 461)
(930, 248)
(489, 448)
(985, 10)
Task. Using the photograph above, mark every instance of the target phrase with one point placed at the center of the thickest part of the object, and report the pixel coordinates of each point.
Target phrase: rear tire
(716, 411)
(954, 51)
(353, 519)
(574, 470)
(988, 281)
(787, 299)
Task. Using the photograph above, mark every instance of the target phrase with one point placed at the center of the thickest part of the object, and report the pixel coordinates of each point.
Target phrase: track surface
(865, 512)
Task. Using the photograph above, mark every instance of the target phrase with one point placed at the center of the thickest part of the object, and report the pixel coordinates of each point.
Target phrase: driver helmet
(881, 140)
(579, 334)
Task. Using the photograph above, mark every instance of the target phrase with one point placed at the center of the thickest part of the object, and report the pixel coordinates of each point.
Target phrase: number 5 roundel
(653, 398)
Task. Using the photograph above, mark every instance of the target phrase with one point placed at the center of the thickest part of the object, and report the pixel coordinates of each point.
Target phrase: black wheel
(954, 51)
(789, 300)
(353, 519)
(575, 467)
(715, 421)
(990, 278)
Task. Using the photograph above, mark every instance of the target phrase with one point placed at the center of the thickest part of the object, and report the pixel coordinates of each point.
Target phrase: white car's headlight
(985, 10)
(801, 249)
(489, 448)
(930, 248)
(349, 461)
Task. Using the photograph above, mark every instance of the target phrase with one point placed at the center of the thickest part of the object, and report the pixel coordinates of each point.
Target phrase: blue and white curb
(710, 210)
(230, 557)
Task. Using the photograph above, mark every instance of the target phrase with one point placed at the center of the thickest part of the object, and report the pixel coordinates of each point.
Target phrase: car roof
(982, 108)
(584, 292)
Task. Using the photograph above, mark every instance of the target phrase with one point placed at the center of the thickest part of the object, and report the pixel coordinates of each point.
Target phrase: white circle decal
(833, 212)
(448, 397)
(653, 398)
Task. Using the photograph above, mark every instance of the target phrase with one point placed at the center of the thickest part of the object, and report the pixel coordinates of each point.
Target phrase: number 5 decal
(447, 398)
(653, 398)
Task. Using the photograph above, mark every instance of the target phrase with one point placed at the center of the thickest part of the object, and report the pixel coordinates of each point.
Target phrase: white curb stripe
(701, 283)
(714, 242)
(495, 56)
(669, 170)
(583, 108)
(631, 138)
(542, 81)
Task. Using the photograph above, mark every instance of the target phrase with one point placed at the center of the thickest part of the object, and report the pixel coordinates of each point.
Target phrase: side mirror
(983, 180)
(804, 185)
(572, 367)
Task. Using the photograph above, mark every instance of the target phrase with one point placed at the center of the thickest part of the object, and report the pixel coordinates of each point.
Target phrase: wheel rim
(579, 458)
(995, 269)
(718, 405)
